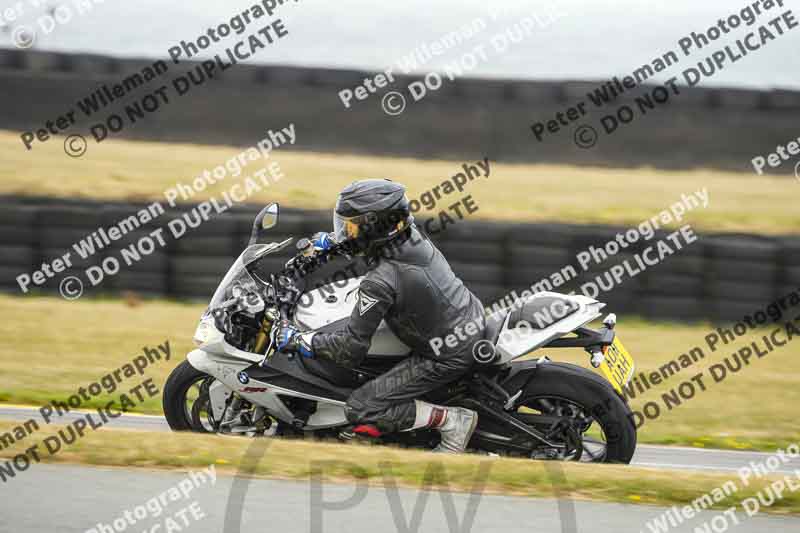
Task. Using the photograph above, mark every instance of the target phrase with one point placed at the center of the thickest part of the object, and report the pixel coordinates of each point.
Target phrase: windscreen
(238, 280)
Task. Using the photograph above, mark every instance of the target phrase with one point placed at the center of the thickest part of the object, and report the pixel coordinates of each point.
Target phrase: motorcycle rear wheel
(576, 413)
(562, 389)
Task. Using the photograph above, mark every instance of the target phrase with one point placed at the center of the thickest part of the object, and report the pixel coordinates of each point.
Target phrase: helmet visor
(344, 228)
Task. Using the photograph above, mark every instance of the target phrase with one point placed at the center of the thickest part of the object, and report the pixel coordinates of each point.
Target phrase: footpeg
(511, 401)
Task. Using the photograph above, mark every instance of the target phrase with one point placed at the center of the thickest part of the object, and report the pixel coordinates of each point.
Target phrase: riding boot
(455, 425)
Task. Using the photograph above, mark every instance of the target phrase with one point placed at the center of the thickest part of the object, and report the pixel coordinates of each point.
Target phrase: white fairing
(329, 413)
(518, 341)
(317, 309)
(336, 301)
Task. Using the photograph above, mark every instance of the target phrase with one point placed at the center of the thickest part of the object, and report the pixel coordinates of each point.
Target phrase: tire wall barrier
(466, 118)
(721, 277)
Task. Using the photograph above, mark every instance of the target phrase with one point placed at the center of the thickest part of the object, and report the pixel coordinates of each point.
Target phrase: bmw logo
(244, 379)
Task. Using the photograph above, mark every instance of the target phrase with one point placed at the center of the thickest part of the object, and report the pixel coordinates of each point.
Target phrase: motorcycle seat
(541, 312)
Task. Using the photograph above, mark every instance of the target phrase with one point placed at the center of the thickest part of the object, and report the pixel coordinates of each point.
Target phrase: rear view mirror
(266, 219)
(270, 218)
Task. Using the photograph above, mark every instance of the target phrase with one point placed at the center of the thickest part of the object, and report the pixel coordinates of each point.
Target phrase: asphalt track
(662, 457)
(75, 499)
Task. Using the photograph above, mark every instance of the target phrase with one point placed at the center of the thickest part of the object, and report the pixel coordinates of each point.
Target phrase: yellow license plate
(618, 365)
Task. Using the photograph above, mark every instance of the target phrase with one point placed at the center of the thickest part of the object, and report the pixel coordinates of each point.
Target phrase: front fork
(264, 335)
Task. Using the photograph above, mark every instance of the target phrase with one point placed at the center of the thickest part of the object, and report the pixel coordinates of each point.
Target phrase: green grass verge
(378, 465)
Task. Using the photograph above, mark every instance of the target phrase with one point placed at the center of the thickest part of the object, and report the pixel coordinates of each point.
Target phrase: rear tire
(595, 396)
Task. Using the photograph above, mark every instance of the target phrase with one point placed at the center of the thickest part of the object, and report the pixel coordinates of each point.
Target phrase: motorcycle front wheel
(186, 400)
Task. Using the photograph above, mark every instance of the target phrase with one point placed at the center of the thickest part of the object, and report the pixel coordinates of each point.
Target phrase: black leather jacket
(412, 287)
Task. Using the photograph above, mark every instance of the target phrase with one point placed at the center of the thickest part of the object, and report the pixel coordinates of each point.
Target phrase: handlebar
(298, 267)
(304, 263)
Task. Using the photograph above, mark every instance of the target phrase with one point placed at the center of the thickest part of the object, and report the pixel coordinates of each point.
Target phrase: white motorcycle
(237, 382)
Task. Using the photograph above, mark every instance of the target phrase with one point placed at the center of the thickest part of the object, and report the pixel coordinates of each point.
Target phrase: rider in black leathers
(409, 285)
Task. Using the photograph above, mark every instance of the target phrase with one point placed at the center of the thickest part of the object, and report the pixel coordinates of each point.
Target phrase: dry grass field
(379, 465)
(53, 346)
(127, 170)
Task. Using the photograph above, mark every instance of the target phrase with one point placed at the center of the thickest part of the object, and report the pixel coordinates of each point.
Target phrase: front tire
(179, 416)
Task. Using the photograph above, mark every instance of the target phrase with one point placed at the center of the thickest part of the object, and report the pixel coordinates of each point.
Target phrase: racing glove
(291, 340)
(322, 241)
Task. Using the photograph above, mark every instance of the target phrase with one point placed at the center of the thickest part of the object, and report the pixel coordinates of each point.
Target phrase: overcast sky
(594, 40)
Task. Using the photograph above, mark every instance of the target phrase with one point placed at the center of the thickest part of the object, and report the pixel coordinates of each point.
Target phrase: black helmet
(370, 213)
